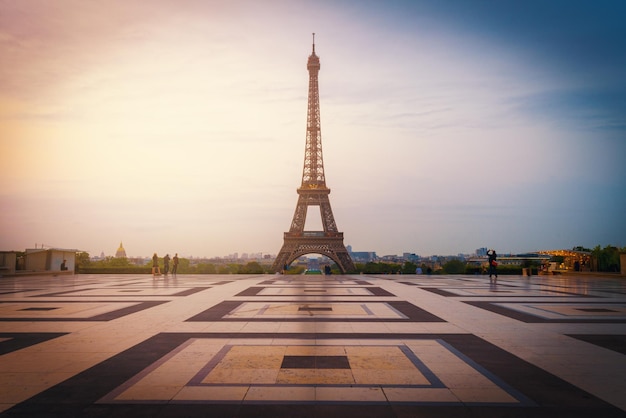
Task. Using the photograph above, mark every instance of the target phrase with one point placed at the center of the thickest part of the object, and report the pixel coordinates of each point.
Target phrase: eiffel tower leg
(281, 260)
(299, 216)
(346, 264)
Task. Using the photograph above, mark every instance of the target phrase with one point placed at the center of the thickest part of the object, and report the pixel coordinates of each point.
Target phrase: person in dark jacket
(492, 263)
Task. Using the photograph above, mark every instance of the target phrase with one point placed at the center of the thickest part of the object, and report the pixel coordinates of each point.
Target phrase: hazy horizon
(180, 126)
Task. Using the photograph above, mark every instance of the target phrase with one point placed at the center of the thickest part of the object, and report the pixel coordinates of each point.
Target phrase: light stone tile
(389, 377)
(211, 393)
(314, 350)
(363, 394)
(426, 395)
(281, 393)
(226, 376)
(315, 377)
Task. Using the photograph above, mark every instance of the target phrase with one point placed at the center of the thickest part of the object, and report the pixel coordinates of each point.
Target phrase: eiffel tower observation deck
(313, 192)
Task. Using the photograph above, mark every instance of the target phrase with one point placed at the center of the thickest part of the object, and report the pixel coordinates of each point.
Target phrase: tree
(382, 268)
(119, 262)
(205, 269)
(607, 258)
(454, 267)
(223, 270)
(252, 267)
(82, 259)
(409, 268)
(183, 265)
(295, 270)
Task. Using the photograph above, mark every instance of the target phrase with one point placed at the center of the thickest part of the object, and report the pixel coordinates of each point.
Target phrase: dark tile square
(332, 362)
(315, 362)
(298, 362)
(314, 309)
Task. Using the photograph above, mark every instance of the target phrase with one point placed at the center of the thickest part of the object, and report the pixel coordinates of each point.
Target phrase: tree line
(606, 259)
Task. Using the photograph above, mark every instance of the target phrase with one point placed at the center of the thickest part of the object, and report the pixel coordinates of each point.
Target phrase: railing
(313, 234)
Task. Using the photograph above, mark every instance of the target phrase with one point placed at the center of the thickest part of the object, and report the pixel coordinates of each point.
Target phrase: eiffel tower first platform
(313, 192)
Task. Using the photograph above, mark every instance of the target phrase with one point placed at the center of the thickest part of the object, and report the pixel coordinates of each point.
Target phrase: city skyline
(242, 255)
(445, 126)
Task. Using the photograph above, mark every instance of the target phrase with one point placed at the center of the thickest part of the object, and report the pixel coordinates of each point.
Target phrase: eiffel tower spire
(313, 192)
(313, 172)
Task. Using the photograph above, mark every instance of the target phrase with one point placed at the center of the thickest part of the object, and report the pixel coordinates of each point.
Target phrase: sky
(179, 126)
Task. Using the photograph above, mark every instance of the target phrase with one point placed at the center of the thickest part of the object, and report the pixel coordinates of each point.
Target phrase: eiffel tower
(313, 192)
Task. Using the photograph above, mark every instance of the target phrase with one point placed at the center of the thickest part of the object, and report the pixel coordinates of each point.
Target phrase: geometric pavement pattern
(312, 346)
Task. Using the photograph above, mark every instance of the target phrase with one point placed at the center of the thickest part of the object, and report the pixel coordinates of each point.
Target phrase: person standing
(492, 263)
(175, 264)
(166, 264)
(155, 266)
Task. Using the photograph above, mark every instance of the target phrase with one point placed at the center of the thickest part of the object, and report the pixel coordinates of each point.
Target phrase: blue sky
(180, 126)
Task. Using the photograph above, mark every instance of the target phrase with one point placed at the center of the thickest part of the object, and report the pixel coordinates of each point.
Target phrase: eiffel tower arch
(313, 192)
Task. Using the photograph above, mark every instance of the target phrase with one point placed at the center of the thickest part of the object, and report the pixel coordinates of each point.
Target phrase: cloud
(591, 109)
(435, 118)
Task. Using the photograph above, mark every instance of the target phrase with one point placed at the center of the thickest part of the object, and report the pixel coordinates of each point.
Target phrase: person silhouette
(493, 264)
(156, 271)
(175, 264)
(166, 264)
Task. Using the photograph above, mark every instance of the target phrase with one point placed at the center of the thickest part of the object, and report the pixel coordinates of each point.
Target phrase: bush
(381, 268)
(454, 267)
(295, 270)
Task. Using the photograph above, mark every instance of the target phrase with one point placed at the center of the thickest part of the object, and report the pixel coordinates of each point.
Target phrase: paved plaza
(312, 346)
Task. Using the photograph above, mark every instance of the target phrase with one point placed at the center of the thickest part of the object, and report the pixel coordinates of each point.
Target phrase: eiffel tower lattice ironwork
(313, 192)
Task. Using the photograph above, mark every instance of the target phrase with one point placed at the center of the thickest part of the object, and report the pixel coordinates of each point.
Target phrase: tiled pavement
(312, 346)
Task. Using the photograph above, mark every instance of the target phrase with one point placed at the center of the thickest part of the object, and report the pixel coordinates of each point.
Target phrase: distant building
(121, 252)
(363, 256)
(573, 260)
(8, 262)
(51, 260)
(410, 257)
(391, 258)
(98, 257)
